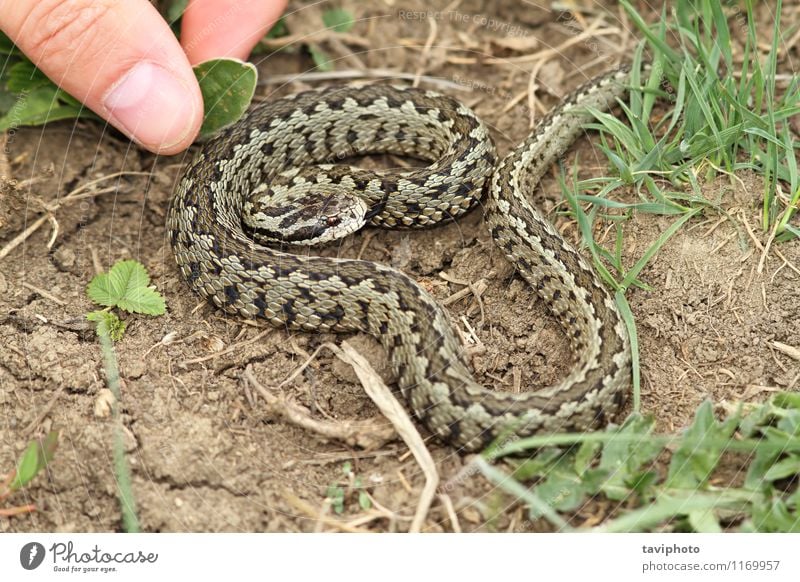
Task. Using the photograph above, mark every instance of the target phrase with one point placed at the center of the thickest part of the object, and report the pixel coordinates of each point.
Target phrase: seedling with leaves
(36, 457)
(341, 492)
(126, 286)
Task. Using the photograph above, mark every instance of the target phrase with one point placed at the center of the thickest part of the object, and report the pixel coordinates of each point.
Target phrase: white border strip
(407, 558)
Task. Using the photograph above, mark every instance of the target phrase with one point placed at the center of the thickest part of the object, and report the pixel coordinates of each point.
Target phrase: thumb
(119, 58)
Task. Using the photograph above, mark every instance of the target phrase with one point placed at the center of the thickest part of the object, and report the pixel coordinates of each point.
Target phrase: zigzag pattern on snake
(217, 254)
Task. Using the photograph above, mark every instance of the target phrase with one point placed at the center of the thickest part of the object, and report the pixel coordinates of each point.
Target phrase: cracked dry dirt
(205, 452)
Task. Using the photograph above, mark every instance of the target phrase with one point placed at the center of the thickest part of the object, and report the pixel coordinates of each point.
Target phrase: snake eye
(334, 220)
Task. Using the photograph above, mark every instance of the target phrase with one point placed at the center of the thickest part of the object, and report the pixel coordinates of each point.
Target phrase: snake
(276, 179)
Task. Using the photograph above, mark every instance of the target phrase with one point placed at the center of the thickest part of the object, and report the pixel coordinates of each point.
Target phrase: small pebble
(64, 257)
(103, 403)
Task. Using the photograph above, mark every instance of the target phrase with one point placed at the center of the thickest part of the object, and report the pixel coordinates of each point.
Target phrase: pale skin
(121, 59)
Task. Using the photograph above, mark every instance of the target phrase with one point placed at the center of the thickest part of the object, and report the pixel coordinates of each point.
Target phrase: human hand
(121, 59)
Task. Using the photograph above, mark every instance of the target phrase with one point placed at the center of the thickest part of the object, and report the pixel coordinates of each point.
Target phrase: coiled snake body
(254, 166)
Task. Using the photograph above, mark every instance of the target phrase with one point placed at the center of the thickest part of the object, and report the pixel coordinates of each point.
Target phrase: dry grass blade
(320, 517)
(365, 434)
(790, 351)
(397, 415)
(22, 237)
(227, 350)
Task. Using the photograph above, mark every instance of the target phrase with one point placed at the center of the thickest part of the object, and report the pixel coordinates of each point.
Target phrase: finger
(226, 28)
(119, 58)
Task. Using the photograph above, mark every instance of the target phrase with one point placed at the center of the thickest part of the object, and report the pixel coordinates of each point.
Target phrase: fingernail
(152, 106)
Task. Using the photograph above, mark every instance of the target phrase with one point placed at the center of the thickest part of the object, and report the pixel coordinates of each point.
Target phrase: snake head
(303, 214)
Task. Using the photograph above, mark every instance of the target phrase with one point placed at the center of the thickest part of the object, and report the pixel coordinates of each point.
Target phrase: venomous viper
(265, 165)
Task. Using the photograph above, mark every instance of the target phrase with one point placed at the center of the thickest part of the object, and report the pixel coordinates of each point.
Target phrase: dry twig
(366, 434)
(383, 398)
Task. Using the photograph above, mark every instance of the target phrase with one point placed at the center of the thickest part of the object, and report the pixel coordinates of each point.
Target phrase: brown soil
(205, 452)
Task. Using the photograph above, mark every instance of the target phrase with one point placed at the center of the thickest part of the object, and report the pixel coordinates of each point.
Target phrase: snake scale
(291, 143)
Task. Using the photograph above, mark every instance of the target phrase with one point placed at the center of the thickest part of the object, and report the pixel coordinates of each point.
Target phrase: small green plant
(619, 465)
(126, 286)
(340, 492)
(36, 457)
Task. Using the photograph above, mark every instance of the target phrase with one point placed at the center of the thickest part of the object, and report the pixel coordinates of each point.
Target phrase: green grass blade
(631, 275)
(122, 470)
(630, 324)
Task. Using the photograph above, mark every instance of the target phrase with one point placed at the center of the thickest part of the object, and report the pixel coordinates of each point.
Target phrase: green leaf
(68, 99)
(756, 419)
(25, 76)
(7, 47)
(585, 455)
(278, 29)
(227, 86)
(623, 456)
(704, 521)
(774, 516)
(36, 457)
(761, 464)
(38, 107)
(790, 422)
(108, 324)
(795, 232)
(27, 466)
(700, 449)
(143, 300)
(126, 286)
(787, 467)
(7, 101)
(320, 58)
(667, 507)
(101, 292)
(364, 501)
(642, 482)
(787, 400)
(338, 20)
(563, 489)
(537, 466)
(109, 288)
(624, 449)
(176, 10)
(336, 495)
